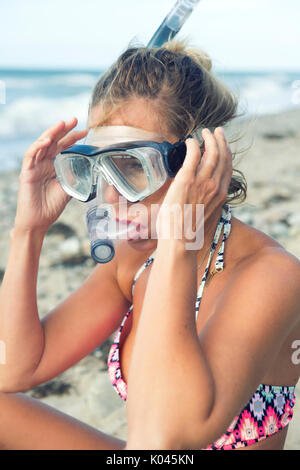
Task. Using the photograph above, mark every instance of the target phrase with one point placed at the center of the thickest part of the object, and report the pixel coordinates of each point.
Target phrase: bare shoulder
(253, 324)
(255, 249)
(273, 274)
(263, 278)
(274, 259)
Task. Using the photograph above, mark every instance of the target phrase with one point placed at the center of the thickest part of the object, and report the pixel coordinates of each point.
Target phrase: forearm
(21, 332)
(170, 387)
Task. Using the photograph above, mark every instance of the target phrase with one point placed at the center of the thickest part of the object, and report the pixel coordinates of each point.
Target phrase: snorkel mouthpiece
(106, 229)
(102, 247)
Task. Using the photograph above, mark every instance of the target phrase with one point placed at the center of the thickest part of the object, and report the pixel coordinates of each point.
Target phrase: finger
(53, 130)
(224, 171)
(69, 125)
(40, 144)
(192, 158)
(43, 142)
(48, 134)
(60, 129)
(57, 135)
(227, 180)
(222, 148)
(222, 143)
(210, 158)
(40, 154)
(70, 139)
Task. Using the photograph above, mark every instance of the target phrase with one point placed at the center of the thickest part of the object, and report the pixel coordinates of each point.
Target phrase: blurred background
(52, 54)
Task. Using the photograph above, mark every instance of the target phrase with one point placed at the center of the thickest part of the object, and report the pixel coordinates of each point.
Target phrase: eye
(135, 166)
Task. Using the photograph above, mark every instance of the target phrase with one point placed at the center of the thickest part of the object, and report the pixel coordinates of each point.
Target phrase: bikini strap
(139, 272)
(224, 222)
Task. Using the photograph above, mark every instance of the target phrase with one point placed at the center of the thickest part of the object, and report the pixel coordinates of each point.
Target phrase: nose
(106, 189)
(111, 194)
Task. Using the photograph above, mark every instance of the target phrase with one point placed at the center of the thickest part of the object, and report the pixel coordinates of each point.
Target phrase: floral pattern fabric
(268, 411)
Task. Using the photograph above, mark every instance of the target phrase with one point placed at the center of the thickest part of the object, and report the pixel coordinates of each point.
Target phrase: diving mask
(136, 166)
(116, 164)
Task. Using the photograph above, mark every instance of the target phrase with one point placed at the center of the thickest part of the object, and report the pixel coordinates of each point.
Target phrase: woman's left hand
(202, 179)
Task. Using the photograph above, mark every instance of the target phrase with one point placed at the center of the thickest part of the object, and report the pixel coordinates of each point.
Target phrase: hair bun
(181, 46)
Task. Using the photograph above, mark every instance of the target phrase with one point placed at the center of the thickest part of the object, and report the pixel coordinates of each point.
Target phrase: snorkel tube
(101, 240)
(173, 22)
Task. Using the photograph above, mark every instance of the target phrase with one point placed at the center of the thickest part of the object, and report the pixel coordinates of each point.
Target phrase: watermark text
(165, 222)
(296, 353)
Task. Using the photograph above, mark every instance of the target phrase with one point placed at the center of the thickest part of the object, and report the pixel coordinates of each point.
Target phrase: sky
(90, 34)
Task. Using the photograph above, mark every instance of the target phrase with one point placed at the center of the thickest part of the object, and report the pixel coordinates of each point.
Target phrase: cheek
(159, 195)
(154, 203)
(146, 211)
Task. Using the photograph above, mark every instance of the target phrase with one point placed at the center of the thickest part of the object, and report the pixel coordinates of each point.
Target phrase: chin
(143, 244)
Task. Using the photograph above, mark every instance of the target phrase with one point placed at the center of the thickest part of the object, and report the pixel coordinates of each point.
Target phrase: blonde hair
(178, 82)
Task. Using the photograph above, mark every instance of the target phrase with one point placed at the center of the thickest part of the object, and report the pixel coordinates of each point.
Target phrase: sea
(33, 100)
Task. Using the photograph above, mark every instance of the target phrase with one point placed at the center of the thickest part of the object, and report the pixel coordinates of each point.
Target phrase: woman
(188, 381)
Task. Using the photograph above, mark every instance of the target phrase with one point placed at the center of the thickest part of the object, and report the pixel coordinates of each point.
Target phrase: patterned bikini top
(270, 408)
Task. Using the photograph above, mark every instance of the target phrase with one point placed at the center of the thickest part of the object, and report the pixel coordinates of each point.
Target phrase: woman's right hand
(41, 199)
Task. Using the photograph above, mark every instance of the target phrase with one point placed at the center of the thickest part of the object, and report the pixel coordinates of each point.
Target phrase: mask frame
(166, 159)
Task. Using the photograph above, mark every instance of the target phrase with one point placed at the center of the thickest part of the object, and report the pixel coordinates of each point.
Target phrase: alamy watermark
(296, 353)
(2, 92)
(131, 223)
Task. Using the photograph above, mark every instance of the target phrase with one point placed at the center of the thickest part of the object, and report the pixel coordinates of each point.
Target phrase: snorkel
(100, 220)
(173, 22)
(103, 223)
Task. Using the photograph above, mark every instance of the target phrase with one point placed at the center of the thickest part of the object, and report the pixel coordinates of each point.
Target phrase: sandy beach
(272, 170)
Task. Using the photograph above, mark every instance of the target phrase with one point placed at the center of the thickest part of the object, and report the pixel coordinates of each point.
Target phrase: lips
(135, 231)
(133, 225)
(130, 222)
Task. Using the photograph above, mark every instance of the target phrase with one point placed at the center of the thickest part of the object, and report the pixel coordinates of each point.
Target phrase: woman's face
(138, 113)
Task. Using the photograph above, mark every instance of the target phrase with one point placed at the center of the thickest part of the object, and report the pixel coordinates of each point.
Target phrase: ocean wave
(76, 80)
(267, 94)
(30, 116)
(73, 80)
(38, 99)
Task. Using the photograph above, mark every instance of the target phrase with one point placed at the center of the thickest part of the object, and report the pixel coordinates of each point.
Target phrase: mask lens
(130, 170)
(76, 175)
